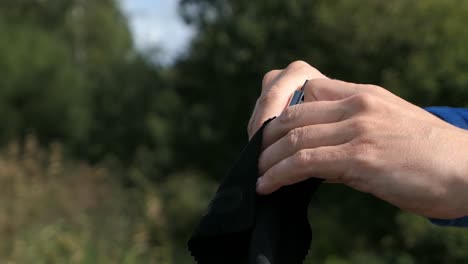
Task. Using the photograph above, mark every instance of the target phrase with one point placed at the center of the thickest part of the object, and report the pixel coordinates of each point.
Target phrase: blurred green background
(110, 155)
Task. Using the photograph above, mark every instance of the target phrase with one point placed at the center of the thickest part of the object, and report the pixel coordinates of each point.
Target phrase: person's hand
(365, 137)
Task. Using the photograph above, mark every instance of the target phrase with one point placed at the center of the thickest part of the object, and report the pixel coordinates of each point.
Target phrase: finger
(275, 97)
(328, 163)
(305, 138)
(330, 90)
(269, 78)
(306, 114)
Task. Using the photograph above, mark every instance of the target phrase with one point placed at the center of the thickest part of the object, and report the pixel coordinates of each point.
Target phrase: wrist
(451, 166)
(454, 166)
(462, 173)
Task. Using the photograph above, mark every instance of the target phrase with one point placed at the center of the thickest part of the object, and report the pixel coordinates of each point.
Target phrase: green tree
(40, 90)
(70, 72)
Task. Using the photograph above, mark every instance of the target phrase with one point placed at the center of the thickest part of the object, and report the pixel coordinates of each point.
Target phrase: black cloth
(242, 227)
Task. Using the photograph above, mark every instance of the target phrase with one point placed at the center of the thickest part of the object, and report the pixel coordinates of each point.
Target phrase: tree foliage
(70, 73)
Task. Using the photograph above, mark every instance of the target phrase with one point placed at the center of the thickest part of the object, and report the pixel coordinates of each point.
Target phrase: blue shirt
(457, 117)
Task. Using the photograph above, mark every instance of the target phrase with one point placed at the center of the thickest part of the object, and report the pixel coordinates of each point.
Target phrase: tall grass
(60, 211)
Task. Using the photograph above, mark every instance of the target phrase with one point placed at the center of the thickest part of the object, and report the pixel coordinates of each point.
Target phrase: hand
(367, 138)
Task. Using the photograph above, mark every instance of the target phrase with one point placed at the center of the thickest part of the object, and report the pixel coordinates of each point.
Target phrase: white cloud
(156, 23)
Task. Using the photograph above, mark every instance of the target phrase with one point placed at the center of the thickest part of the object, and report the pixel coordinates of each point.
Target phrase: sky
(155, 23)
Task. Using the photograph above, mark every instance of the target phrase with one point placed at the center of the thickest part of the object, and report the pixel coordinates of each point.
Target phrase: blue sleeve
(457, 117)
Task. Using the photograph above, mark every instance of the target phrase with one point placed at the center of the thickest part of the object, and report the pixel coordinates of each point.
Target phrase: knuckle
(268, 77)
(373, 87)
(289, 115)
(301, 158)
(364, 156)
(305, 69)
(267, 98)
(364, 101)
(362, 160)
(378, 90)
(361, 125)
(294, 137)
(298, 64)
